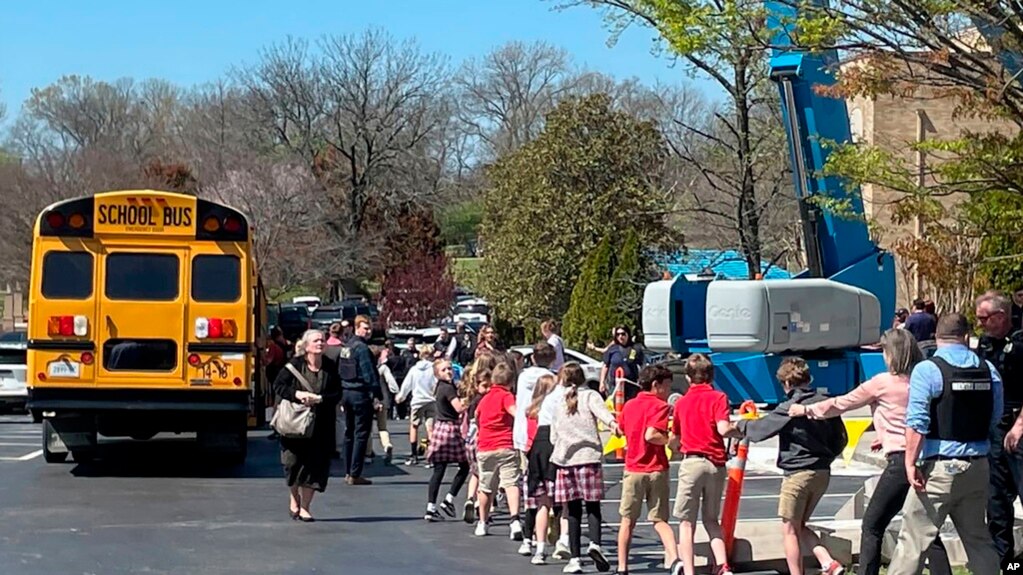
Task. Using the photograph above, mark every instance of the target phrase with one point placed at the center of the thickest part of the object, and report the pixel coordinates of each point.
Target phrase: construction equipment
(831, 312)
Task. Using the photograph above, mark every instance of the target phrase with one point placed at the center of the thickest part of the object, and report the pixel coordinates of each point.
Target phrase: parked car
(332, 313)
(293, 319)
(591, 367)
(474, 310)
(13, 372)
(427, 335)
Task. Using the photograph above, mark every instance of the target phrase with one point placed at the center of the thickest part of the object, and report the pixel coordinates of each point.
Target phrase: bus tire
(48, 455)
(83, 455)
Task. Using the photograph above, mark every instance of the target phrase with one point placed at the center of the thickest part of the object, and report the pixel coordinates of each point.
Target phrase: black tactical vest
(963, 410)
(347, 366)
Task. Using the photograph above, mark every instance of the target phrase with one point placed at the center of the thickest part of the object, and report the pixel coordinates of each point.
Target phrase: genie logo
(729, 312)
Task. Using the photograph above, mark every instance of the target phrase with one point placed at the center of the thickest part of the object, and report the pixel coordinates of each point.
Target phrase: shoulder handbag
(295, 419)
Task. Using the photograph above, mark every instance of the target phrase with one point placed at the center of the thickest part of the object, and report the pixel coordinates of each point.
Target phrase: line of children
(564, 460)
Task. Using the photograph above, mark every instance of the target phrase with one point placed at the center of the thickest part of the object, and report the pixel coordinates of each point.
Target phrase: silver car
(13, 375)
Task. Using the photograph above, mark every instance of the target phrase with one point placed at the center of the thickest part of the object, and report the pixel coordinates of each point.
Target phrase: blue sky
(190, 42)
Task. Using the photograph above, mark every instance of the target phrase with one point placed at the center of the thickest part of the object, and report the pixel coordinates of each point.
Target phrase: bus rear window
(216, 278)
(146, 277)
(67, 275)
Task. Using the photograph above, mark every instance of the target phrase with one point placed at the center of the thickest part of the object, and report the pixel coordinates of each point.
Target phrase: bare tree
(506, 94)
(360, 112)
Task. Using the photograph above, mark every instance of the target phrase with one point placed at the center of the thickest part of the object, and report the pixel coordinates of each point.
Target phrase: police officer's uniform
(1006, 354)
(358, 391)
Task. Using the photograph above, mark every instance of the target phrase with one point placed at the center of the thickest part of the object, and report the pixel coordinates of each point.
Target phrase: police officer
(947, 444)
(1004, 349)
(360, 396)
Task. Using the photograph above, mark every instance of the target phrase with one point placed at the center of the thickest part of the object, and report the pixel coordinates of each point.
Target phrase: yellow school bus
(146, 315)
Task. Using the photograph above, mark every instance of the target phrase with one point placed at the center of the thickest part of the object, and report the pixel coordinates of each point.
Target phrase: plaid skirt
(544, 488)
(446, 443)
(584, 482)
(470, 455)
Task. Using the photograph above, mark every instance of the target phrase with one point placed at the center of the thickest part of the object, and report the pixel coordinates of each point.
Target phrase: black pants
(575, 524)
(438, 476)
(1006, 486)
(885, 503)
(358, 424)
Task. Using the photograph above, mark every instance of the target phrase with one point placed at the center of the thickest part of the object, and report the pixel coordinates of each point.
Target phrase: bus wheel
(52, 440)
(83, 455)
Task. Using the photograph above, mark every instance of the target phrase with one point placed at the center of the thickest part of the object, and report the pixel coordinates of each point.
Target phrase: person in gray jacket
(806, 450)
(420, 383)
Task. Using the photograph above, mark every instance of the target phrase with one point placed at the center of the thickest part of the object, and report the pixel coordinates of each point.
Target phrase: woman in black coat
(307, 461)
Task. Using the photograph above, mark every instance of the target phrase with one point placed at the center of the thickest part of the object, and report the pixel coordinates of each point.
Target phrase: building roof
(727, 264)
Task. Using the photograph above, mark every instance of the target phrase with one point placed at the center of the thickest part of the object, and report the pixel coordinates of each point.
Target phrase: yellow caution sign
(614, 442)
(854, 428)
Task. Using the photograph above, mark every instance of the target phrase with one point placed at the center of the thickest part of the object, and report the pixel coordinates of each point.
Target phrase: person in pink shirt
(887, 394)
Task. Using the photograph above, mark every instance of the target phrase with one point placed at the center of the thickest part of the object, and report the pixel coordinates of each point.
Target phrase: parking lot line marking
(27, 457)
(33, 444)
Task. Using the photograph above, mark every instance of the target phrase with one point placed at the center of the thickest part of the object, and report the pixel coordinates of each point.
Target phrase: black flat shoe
(293, 514)
(306, 519)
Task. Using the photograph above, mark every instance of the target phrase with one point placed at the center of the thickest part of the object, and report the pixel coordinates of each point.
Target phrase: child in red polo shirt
(699, 427)
(644, 421)
(496, 455)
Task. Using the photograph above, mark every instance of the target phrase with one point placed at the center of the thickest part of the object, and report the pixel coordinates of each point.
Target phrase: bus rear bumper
(106, 400)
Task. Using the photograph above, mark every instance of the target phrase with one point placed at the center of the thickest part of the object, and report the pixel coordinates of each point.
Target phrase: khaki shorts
(650, 487)
(800, 493)
(498, 469)
(700, 486)
(422, 414)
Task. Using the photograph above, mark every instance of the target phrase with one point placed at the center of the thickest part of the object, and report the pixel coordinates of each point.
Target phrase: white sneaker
(481, 529)
(561, 551)
(526, 549)
(540, 558)
(599, 559)
(516, 530)
(575, 565)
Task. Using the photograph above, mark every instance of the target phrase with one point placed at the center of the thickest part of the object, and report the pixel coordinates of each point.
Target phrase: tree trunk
(747, 214)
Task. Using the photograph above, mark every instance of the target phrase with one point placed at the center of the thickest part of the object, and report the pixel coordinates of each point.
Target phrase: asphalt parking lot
(153, 507)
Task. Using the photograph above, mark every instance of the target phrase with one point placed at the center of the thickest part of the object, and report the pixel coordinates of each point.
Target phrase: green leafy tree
(627, 283)
(591, 311)
(592, 172)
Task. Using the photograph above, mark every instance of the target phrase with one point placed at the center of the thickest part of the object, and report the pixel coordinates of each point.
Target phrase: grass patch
(466, 271)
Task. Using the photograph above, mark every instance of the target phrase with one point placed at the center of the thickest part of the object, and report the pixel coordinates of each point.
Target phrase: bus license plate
(64, 369)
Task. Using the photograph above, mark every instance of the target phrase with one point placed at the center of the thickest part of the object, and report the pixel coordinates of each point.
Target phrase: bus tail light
(87, 357)
(194, 359)
(67, 325)
(215, 328)
(232, 224)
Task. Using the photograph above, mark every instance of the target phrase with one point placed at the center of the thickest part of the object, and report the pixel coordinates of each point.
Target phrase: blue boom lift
(831, 312)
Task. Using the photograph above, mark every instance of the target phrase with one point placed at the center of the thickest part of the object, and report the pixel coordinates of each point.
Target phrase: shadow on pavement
(182, 458)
